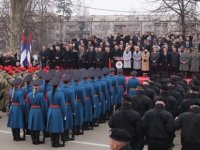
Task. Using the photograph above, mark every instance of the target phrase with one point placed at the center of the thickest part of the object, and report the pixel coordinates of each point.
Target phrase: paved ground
(96, 139)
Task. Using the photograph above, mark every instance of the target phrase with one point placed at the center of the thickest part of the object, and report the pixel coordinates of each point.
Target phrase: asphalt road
(97, 139)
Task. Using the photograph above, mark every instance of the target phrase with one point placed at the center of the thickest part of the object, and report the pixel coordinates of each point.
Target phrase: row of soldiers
(155, 110)
(63, 103)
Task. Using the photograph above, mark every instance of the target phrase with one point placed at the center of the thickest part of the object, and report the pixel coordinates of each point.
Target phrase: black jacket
(127, 119)
(158, 124)
(141, 104)
(189, 123)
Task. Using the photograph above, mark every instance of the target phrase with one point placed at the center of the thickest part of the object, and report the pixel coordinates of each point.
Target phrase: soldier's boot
(18, 138)
(14, 134)
(82, 130)
(33, 137)
(37, 138)
(78, 132)
(73, 136)
(52, 139)
(57, 142)
(66, 132)
(28, 132)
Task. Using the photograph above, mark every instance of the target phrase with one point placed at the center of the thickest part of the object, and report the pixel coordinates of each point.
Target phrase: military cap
(47, 77)
(58, 74)
(99, 74)
(164, 87)
(120, 135)
(134, 73)
(86, 74)
(194, 88)
(67, 77)
(105, 71)
(28, 78)
(196, 82)
(119, 71)
(40, 74)
(55, 82)
(112, 69)
(127, 98)
(17, 81)
(36, 82)
(76, 76)
(159, 98)
(195, 101)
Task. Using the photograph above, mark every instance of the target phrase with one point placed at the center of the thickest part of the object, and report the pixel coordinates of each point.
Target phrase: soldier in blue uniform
(80, 99)
(104, 94)
(69, 94)
(114, 89)
(89, 105)
(16, 119)
(45, 88)
(105, 72)
(133, 82)
(56, 114)
(97, 98)
(37, 111)
(121, 86)
(27, 88)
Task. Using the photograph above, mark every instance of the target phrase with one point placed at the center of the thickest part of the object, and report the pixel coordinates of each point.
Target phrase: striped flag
(29, 51)
(23, 60)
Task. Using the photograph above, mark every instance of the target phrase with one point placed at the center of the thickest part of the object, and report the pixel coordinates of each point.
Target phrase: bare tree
(185, 10)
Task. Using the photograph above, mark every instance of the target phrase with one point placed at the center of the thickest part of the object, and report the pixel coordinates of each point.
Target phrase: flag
(23, 60)
(29, 51)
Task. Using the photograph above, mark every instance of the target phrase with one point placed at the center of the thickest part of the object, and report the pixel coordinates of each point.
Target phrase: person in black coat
(189, 123)
(165, 59)
(90, 57)
(171, 102)
(67, 57)
(119, 139)
(99, 58)
(107, 57)
(127, 119)
(158, 125)
(51, 57)
(58, 56)
(43, 57)
(141, 103)
(175, 60)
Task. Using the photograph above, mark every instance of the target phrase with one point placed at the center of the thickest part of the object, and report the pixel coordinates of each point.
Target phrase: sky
(139, 6)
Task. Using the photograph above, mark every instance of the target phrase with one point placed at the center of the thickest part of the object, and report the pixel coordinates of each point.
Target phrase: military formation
(62, 103)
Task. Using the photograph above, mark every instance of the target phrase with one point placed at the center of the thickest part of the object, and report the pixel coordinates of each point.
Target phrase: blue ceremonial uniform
(69, 94)
(114, 90)
(37, 111)
(80, 99)
(17, 109)
(109, 91)
(89, 105)
(132, 85)
(56, 111)
(97, 98)
(121, 87)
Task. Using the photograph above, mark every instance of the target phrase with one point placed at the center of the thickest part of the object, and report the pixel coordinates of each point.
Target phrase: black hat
(134, 73)
(47, 77)
(120, 135)
(55, 82)
(195, 88)
(40, 74)
(159, 98)
(127, 98)
(164, 87)
(195, 101)
(119, 71)
(196, 82)
(67, 77)
(36, 82)
(28, 78)
(140, 92)
(17, 81)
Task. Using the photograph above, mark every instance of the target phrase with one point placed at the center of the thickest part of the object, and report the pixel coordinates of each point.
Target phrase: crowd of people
(147, 54)
(65, 103)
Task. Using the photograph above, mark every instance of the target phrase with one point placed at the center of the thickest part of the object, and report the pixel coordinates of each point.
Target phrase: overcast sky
(121, 5)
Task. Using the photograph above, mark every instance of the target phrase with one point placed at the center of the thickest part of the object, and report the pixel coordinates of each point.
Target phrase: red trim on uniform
(15, 103)
(54, 106)
(35, 106)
